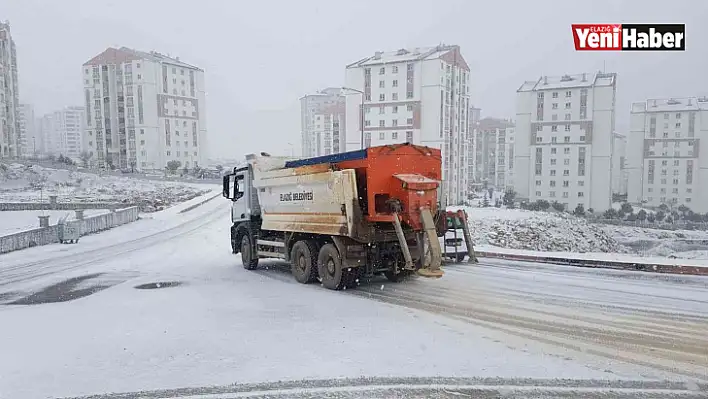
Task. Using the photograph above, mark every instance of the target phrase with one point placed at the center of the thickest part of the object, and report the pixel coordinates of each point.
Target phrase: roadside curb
(600, 264)
(191, 207)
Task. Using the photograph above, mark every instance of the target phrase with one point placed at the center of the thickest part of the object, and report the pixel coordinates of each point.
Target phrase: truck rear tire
(248, 258)
(329, 265)
(303, 260)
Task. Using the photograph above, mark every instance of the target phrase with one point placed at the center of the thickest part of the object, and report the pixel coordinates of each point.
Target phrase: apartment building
(619, 173)
(143, 110)
(30, 141)
(475, 114)
(664, 162)
(493, 155)
(564, 139)
(322, 121)
(10, 140)
(418, 95)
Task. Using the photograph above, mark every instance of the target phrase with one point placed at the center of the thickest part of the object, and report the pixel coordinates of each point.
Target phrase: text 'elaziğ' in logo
(629, 37)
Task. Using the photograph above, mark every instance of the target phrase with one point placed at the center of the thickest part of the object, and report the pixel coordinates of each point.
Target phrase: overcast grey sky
(261, 56)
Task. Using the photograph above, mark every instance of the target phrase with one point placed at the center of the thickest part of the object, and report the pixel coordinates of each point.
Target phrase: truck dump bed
(341, 194)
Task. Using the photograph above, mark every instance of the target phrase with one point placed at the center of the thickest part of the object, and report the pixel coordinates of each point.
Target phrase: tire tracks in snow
(46, 267)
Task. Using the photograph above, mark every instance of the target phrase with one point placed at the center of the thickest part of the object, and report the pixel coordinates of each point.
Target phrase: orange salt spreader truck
(339, 217)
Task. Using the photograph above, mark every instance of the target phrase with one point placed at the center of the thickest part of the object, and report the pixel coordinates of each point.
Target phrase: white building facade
(493, 155)
(665, 164)
(10, 140)
(418, 95)
(30, 140)
(619, 160)
(322, 122)
(62, 130)
(144, 110)
(564, 140)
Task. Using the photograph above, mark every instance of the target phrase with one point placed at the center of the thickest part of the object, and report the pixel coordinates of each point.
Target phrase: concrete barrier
(59, 206)
(600, 264)
(48, 235)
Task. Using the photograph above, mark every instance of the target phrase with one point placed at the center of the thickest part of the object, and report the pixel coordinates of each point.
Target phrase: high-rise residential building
(475, 115)
(619, 173)
(143, 110)
(322, 121)
(664, 162)
(493, 154)
(564, 146)
(30, 141)
(417, 95)
(62, 130)
(10, 140)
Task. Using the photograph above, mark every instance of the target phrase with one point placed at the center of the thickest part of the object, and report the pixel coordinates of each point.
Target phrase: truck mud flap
(433, 268)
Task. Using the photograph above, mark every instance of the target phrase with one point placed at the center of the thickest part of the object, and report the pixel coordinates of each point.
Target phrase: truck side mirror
(228, 186)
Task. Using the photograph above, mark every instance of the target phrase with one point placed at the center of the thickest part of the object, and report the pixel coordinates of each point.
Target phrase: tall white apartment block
(62, 131)
(322, 121)
(418, 95)
(10, 140)
(665, 164)
(144, 110)
(493, 143)
(619, 173)
(30, 140)
(564, 145)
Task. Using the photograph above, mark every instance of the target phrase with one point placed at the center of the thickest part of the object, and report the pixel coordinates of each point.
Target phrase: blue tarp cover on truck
(344, 156)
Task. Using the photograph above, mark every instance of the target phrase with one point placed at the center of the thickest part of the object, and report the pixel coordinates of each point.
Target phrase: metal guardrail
(601, 264)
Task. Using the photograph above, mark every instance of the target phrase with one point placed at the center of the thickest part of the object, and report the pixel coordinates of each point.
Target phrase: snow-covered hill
(20, 183)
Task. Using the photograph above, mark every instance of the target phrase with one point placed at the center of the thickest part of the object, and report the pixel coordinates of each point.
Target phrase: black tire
(459, 258)
(329, 265)
(303, 260)
(248, 258)
(236, 240)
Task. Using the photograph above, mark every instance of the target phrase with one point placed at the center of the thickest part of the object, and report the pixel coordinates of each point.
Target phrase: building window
(565, 194)
(553, 150)
(382, 97)
(382, 123)
(567, 117)
(552, 194)
(554, 128)
(538, 193)
(382, 110)
(382, 71)
(568, 93)
(566, 161)
(566, 150)
(409, 107)
(555, 94)
(409, 121)
(553, 161)
(395, 83)
(553, 183)
(394, 135)
(394, 122)
(581, 194)
(538, 182)
(582, 139)
(553, 173)
(367, 123)
(409, 136)
(554, 105)
(567, 127)
(382, 135)
(567, 105)
(539, 139)
(394, 96)
(554, 140)
(394, 69)
(395, 109)
(409, 94)
(367, 97)
(566, 172)
(382, 84)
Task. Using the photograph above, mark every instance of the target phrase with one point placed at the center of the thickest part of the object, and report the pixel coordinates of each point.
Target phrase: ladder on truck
(462, 215)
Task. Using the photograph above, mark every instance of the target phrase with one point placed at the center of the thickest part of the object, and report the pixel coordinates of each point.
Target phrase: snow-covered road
(78, 326)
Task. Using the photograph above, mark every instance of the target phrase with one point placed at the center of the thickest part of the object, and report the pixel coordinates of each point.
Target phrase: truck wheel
(304, 262)
(248, 258)
(459, 258)
(329, 265)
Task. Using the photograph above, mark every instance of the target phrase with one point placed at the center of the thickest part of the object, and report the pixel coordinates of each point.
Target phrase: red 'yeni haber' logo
(629, 37)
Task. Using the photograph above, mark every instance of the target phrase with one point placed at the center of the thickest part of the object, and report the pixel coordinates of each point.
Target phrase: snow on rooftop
(672, 104)
(569, 81)
(403, 55)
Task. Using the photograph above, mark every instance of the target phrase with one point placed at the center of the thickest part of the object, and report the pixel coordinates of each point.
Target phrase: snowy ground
(16, 221)
(224, 324)
(20, 183)
(518, 229)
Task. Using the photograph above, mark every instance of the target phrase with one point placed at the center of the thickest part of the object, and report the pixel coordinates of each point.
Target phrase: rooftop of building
(598, 79)
(113, 55)
(495, 123)
(326, 92)
(412, 54)
(671, 104)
